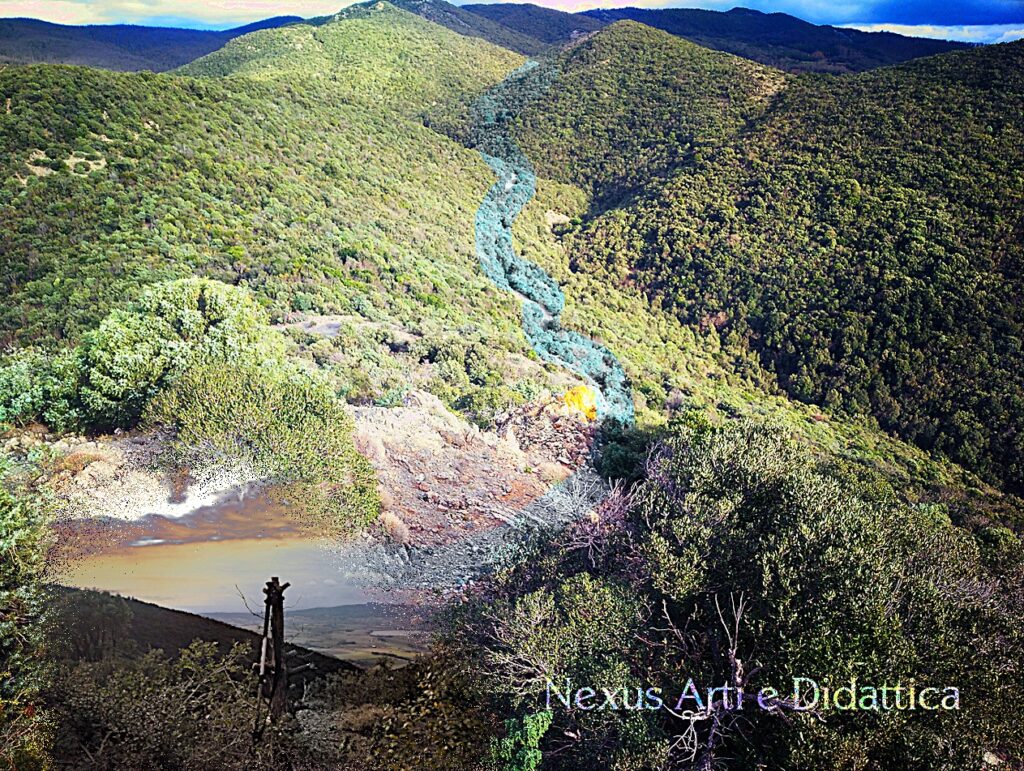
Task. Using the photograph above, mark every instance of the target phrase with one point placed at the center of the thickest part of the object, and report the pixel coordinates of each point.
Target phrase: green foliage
(519, 749)
(698, 374)
(482, 405)
(107, 381)
(286, 422)
(624, 450)
(855, 236)
(174, 326)
(315, 190)
(24, 730)
(90, 626)
(811, 581)
(194, 711)
(26, 388)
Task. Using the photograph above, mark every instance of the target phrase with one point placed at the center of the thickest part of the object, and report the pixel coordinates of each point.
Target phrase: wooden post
(278, 681)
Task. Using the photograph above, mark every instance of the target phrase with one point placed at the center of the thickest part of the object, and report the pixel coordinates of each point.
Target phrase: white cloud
(970, 33)
(222, 13)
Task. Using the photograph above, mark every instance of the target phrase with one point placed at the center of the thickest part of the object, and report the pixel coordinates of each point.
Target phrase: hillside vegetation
(549, 25)
(311, 204)
(114, 47)
(631, 103)
(862, 236)
(459, 19)
(374, 55)
(739, 563)
(234, 251)
(119, 189)
(781, 40)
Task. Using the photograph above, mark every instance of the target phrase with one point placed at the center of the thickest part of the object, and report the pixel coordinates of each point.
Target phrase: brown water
(205, 561)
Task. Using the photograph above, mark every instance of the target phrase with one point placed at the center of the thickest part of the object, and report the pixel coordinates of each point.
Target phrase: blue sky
(981, 20)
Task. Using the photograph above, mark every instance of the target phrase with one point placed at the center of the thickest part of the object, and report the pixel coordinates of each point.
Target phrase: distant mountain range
(120, 47)
(781, 40)
(552, 26)
(776, 39)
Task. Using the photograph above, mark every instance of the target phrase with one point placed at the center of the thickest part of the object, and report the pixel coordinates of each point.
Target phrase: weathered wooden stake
(277, 683)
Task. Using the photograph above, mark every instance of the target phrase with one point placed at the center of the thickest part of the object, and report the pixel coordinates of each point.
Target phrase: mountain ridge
(119, 47)
(782, 40)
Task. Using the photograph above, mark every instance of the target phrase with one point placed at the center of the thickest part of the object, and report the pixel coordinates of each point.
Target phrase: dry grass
(75, 462)
(393, 525)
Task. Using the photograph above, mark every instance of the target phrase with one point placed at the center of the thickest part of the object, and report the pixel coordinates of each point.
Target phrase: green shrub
(285, 421)
(23, 728)
(482, 405)
(519, 749)
(742, 562)
(135, 353)
(22, 393)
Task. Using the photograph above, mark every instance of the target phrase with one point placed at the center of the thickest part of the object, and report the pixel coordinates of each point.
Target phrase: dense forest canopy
(610, 128)
(862, 234)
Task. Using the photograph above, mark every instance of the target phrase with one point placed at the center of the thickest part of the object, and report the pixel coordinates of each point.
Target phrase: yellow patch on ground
(581, 400)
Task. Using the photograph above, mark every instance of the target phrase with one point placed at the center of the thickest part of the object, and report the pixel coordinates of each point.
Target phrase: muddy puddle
(214, 561)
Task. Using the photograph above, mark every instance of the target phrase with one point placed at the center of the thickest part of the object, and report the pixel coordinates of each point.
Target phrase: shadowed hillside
(114, 47)
(458, 19)
(552, 26)
(632, 103)
(863, 236)
(91, 624)
(781, 40)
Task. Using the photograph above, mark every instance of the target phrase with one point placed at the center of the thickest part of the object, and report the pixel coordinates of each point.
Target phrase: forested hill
(119, 47)
(552, 26)
(782, 40)
(113, 181)
(632, 103)
(864, 236)
(459, 19)
(365, 54)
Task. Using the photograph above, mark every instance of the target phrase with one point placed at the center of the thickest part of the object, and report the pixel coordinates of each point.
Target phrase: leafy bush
(518, 749)
(744, 564)
(35, 385)
(135, 353)
(109, 378)
(285, 421)
(24, 731)
(482, 405)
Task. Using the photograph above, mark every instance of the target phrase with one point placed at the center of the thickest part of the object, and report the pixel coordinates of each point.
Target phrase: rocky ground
(444, 478)
(456, 499)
